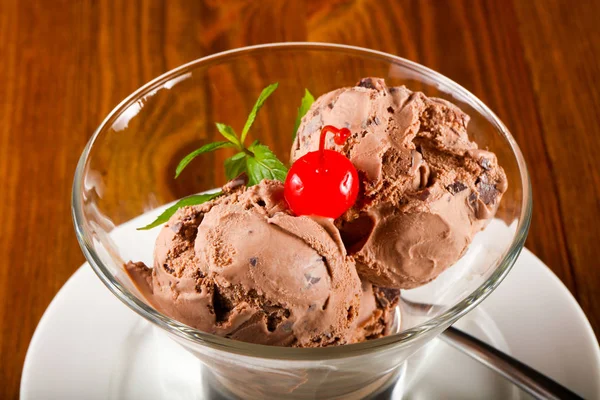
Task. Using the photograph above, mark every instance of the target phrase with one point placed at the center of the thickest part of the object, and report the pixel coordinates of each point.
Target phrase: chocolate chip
(383, 302)
(485, 163)
(473, 201)
(456, 187)
(393, 89)
(253, 261)
(167, 269)
(367, 83)
(330, 105)
(250, 232)
(390, 293)
(312, 307)
(390, 110)
(487, 191)
(311, 280)
(386, 296)
(376, 120)
(176, 227)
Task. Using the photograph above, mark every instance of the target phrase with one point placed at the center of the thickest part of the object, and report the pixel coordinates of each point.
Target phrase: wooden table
(65, 64)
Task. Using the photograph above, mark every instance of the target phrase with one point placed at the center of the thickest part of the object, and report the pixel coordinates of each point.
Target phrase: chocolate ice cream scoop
(242, 267)
(426, 189)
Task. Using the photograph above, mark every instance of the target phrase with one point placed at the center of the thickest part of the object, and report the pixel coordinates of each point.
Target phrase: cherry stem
(340, 136)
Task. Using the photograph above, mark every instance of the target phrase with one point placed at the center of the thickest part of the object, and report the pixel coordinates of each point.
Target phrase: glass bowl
(125, 176)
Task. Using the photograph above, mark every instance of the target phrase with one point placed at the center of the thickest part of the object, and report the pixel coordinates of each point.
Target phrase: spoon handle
(525, 377)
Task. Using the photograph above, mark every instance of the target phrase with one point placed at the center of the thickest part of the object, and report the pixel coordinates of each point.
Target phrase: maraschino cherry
(323, 182)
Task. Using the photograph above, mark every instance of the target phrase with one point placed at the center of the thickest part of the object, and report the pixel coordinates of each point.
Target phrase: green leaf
(235, 165)
(187, 201)
(307, 101)
(266, 92)
(264, 165)
(204, 149)
(228, 133)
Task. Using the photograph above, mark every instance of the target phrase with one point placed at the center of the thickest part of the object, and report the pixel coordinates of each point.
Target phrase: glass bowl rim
(402, 339)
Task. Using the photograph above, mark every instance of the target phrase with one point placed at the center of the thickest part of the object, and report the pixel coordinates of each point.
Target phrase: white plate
(88, 345)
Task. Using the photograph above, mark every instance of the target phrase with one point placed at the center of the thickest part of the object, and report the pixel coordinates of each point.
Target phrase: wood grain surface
(65, 64)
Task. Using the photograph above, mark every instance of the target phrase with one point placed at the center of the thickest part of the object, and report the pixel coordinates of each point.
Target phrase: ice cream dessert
(241, 266)
(425, 188)
(385, 192)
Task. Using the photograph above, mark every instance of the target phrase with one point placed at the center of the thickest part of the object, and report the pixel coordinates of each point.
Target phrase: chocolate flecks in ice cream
(288, 283)
(376, 317)
(426, 189)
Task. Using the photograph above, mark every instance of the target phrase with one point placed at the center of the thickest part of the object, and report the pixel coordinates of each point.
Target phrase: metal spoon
(528, 379)
(525, 377)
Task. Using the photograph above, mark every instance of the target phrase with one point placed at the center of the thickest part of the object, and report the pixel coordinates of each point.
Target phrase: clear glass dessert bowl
(125, 178)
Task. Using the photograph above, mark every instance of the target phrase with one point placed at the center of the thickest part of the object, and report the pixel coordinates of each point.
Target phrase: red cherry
(323, 182)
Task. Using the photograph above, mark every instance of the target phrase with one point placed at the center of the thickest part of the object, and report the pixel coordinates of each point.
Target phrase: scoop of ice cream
(426, 189)
(242, 267)
(376, 317)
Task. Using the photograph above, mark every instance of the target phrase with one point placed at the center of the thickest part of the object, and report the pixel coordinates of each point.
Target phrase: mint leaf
(204, 149)
(187, 201)
(235, 165)
(307, 101)
(228, 133)
(266, 92)
(264, 165)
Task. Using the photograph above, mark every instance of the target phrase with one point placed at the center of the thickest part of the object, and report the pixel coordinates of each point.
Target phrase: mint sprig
(245, 159)
(256, 160)
(186, 201)
(307, 101)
